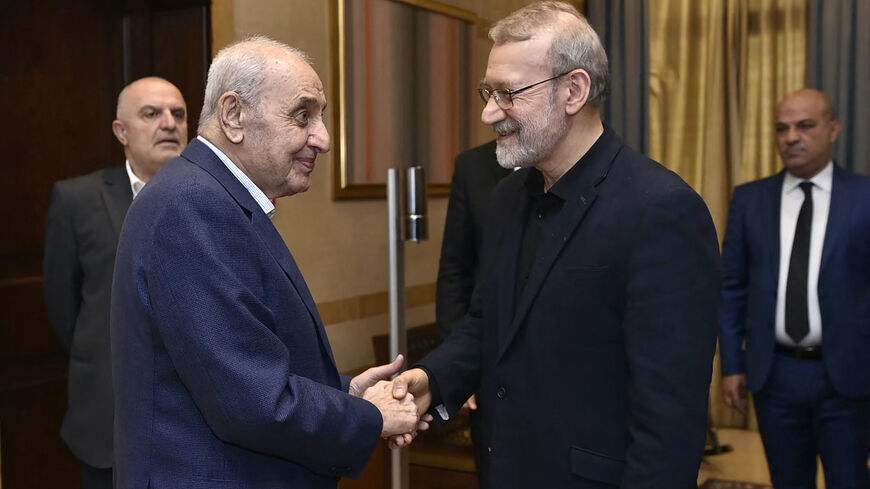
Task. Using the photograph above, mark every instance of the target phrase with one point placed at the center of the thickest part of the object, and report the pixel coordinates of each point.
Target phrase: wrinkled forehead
(800, 107)
(517, 62)
(294, 80)
(154, 94)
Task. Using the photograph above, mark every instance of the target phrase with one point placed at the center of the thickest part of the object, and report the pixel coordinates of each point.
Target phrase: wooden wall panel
(57, 60)
(62, 64)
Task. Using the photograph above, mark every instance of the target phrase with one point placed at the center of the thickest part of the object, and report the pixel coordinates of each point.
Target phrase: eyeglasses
(504, 98)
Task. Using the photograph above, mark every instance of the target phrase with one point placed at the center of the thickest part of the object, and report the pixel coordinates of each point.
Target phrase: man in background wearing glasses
(591, 334)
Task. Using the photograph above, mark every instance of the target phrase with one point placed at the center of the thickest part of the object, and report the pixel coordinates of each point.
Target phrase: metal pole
(398, 338)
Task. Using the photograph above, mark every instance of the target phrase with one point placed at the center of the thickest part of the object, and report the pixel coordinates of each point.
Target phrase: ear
(120, 131)
(579, 85)
(230, 118)
(835, 130)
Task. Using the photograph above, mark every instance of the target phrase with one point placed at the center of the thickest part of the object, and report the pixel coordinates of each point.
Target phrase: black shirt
(542, 210)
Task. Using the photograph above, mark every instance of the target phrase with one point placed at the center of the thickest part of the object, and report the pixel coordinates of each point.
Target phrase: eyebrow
(159, 108)
(307, 101)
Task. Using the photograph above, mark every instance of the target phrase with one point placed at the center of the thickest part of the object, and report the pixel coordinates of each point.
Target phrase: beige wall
(341, 246)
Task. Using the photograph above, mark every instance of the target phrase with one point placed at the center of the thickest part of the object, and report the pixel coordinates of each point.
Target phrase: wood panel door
(62, 65)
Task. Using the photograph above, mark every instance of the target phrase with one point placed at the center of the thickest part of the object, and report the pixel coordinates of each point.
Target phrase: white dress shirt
(792, 200)
(136, 183)
(258, 195)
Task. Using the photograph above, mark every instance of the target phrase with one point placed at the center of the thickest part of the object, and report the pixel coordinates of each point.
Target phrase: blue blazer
(598, 373)
(222, 371)
(750, 269)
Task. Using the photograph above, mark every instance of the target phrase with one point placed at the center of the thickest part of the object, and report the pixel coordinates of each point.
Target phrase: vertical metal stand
(398, 338)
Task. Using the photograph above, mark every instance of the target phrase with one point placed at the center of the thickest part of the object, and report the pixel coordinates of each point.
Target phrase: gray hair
(240, 69)
(575, 45)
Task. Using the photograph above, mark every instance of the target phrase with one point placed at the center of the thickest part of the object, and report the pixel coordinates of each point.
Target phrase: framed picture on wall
(405, 92)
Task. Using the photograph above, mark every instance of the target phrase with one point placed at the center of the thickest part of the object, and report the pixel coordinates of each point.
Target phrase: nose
(492, 113)
(167, 121)
(792, 136)
(318, 138)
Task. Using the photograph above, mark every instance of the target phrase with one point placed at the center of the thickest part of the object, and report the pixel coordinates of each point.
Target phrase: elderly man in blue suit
(223, 374)
(795, 326)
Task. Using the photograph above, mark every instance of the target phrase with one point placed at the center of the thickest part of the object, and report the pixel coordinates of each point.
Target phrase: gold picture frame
(356, 177)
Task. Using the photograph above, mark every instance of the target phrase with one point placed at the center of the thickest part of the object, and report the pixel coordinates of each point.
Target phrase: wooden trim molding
(375, 304)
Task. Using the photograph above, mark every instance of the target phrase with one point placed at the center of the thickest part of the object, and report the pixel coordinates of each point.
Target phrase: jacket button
(501, 393)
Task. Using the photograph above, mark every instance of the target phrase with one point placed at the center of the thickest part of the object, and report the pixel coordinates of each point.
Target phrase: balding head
(264, 108)
(806, 129)
(151, 124)
(822, 103)
(241, 68)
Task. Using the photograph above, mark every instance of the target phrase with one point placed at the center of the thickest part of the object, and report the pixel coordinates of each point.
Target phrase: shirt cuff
(438, 406)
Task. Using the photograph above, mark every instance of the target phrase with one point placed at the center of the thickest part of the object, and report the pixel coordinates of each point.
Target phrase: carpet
(723, 484)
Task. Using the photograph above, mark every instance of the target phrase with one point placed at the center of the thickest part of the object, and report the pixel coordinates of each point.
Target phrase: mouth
(307, 162)
(505, 129)
(171, 141)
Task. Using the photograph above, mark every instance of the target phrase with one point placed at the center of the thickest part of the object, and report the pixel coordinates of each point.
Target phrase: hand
(470, 404)
(413, 383)
(370, 377)
(400, 415)
(734, 391)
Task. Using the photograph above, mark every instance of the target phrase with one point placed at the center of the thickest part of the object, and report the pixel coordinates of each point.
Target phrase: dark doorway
(62, 64)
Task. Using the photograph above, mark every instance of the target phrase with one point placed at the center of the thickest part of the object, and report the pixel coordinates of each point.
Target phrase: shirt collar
(565, 186)
(136, 183)
(823, 180)
(258, 195)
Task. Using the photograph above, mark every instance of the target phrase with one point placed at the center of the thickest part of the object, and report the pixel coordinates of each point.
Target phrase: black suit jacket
(598, 374)
(475, 174)
(82, 229)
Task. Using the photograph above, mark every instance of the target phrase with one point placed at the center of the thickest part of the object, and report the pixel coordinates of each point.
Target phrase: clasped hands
(403, 402)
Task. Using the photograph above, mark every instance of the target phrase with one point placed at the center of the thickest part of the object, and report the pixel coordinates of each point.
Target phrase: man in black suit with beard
(591, 332)
(475, 174)
(82, 228)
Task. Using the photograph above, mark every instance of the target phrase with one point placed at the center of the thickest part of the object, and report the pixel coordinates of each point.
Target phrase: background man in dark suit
(591, 334)
(84, 221)
(475, 174)
(796, 290)
(222, 369)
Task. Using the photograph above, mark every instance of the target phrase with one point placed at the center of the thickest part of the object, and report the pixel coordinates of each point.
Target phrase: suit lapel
(282, 255)
(507, 268)
(771, 209)
(837, 216)
(203, 156)
(117, 196)
(559, 231)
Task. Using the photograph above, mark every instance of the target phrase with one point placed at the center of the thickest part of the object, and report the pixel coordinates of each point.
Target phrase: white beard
(534, 139)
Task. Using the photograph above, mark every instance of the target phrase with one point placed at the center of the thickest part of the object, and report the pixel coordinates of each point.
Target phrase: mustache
(505, 127)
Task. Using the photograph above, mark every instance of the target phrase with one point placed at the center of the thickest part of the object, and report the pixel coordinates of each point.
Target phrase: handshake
(403, 402)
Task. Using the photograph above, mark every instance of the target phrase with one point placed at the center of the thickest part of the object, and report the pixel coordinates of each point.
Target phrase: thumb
(400, 387)
(396, 365)
(384, 372)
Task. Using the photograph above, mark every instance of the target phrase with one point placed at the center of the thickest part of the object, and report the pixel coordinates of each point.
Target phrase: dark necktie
(797, 322)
